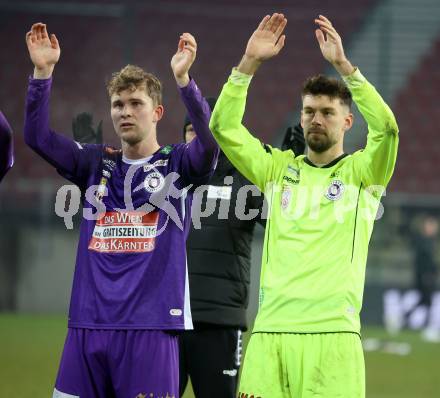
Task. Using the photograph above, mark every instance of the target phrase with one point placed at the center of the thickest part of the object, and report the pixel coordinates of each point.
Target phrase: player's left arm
(6, 146)
(201, 154)
(377, 161)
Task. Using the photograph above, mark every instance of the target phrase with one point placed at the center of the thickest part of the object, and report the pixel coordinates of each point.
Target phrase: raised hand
(184, 58)
(43, 50)
(266, 42)
(331, 46)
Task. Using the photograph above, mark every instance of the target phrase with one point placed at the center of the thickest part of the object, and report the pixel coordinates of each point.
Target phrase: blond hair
(132, 77)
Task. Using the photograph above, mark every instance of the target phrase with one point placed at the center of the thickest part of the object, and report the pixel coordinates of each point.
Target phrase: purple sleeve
(200, 156)
(68, 156)
(6, 146)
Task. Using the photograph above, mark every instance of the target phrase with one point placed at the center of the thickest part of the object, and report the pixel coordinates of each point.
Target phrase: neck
(326, 157)
(139, 150)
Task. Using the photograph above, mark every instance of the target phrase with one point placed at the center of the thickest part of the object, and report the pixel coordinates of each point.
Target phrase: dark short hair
(323, 85)
(132, 77)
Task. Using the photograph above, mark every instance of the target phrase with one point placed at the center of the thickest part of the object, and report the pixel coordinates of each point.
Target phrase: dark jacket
(219, 253)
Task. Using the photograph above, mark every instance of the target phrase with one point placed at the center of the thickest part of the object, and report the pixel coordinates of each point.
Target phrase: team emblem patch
(335, 190)
(166, 149)
(154, 182)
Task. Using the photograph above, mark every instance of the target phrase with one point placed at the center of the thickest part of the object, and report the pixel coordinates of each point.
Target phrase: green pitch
(30, 348)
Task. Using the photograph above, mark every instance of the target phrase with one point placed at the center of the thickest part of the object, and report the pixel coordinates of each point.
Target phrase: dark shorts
(118, 364)
(210, 356)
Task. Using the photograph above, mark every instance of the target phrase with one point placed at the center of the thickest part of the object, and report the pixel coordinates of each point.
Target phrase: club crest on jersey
(154, 182)
(335, 190)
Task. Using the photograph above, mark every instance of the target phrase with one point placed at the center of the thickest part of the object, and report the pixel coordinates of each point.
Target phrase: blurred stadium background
(396, 43)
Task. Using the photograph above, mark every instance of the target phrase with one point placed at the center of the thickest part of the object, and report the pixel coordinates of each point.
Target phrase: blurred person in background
(6, 146)
(8, 269)
(130, 291)
(424, 239)
(83, 130)
(306, 337)
(219, 261)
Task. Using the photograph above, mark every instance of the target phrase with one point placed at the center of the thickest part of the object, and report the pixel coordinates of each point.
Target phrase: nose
(126, 111)
(316, 121)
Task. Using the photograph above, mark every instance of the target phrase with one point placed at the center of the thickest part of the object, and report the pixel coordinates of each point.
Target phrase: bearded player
(306, 336)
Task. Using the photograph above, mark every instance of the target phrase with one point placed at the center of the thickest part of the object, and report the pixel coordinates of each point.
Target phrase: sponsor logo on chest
(125, 232)
(157, 163)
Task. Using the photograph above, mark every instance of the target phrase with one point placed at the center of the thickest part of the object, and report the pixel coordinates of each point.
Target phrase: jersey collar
(326, 166)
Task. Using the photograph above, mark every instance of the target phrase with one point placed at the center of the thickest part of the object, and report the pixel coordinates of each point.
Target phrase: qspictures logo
(295, 201)
(152, 395)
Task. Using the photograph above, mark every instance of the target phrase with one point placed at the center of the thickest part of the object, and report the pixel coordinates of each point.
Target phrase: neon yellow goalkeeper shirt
(320, 218)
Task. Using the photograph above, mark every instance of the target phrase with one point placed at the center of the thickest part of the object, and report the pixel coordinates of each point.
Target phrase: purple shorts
(118, 364)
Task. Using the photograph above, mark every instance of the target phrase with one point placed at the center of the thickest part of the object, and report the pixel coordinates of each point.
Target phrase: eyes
(311, 112)
(134, 104)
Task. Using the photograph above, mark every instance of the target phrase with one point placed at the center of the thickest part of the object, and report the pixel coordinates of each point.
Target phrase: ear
(348, 121)
(301, 119)
(158, 113)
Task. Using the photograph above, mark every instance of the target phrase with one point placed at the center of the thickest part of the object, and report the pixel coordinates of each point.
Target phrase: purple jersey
(131, 262)
(6, 146)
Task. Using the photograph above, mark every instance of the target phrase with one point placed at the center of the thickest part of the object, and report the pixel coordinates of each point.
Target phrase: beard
(318, 140)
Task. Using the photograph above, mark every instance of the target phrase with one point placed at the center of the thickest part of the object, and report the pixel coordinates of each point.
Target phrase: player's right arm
(6, 146)
(57, 149)
(245, 152)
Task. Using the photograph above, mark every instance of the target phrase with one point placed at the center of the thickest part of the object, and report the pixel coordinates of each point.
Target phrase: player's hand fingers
(39, 32)
(276, 20)
(329, 27)
(263, 22)
(191, 48)
(330, 33)
(29, 38)
(323, 18)
(35, 27)
(54, 41)
(281, 27)
(323, 23)
(280, 44)
(44, 34)
(189, 38)
(320, 37)
(180, 45)
(270, 22)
